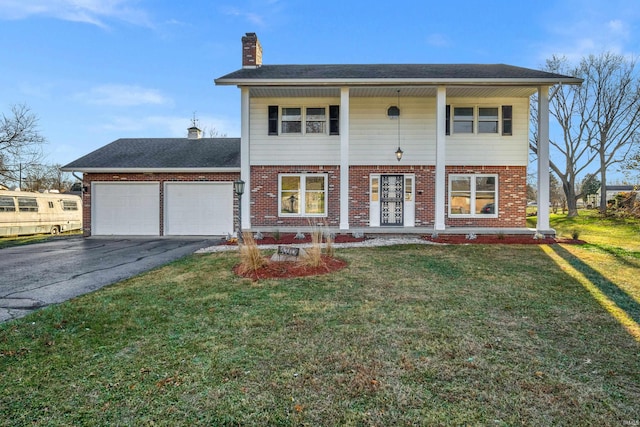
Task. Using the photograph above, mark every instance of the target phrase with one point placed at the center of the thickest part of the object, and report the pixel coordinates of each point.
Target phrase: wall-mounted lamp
(399, 151)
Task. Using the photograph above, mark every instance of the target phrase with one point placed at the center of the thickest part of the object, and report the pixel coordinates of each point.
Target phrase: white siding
(491, 149)
(290, 149)
(373, 136)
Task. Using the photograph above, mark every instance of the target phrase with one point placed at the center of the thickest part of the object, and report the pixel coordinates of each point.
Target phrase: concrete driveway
(34, 276)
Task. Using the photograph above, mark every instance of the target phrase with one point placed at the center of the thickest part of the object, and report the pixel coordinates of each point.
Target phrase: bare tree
(570, 154)
(212, 132)
(20, 143)
(47, 177)
(599, 120)
(616, 98)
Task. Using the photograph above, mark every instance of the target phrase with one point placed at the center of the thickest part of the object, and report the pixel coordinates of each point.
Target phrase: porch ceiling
(392, 91)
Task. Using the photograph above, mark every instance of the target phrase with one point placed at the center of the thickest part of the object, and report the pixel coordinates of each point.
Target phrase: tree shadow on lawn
(623, 300)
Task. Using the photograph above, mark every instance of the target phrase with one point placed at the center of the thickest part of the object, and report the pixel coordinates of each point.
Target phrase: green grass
(7, 242)
(405, 335)
(621, 235)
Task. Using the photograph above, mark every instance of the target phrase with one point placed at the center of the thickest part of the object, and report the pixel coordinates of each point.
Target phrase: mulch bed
(285, 270)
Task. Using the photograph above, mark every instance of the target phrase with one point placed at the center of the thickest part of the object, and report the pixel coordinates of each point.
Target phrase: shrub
(313, 257)
(329, 249)
(251, 259)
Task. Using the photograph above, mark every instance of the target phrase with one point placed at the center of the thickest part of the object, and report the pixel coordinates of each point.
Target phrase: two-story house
(385, 147)
(406, 148)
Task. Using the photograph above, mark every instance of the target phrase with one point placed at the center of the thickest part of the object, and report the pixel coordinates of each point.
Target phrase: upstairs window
(463, 120)
(477, 120)
(304, 120)
(487, 120)
(292, 120)
(316, 120)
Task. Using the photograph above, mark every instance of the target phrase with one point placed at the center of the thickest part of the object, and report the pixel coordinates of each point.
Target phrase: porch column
(245, 164)
(440, 196)
(543, 159)
(344, 158)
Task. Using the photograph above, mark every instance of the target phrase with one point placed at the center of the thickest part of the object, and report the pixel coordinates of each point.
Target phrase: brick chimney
(251, 51)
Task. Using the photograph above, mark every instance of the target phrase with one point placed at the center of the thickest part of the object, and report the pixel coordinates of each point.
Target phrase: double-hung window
(292, 120)
(477, 120)
(302, 195)
(313, 120)
(463, 120)
(487, 120)
(473, 195)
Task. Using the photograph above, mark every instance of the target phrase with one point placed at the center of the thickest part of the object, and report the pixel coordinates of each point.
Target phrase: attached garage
(198, 208)
(125, 208)
(160, 186)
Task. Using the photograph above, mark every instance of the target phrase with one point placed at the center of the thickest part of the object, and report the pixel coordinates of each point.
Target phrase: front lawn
(404, 335)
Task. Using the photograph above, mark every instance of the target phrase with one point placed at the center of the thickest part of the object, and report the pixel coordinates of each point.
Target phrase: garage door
(198, 208)
(125, 209)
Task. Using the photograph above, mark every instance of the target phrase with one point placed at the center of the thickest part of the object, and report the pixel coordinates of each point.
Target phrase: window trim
(472, 196)
(303, 194)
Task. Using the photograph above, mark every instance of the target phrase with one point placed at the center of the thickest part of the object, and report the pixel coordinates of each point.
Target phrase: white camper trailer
(33, 213)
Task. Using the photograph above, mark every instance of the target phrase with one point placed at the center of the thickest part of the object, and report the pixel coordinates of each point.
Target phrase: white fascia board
(151, 170)
(392, 81)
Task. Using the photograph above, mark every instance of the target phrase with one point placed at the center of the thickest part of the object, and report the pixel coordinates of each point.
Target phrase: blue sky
(98, 70)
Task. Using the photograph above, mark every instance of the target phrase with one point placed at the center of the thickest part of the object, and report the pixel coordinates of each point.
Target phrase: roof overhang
(149, 170)
(464, 87)
(392, 91)
(395, 82)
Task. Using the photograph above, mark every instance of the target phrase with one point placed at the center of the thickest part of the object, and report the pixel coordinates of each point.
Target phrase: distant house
(613, 190)
(400, 148)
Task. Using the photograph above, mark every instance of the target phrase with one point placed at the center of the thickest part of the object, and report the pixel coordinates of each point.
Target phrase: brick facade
(88, 178)
(264, 195)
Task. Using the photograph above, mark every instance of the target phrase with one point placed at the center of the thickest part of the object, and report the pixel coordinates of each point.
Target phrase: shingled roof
(152, 154)
(377, 73)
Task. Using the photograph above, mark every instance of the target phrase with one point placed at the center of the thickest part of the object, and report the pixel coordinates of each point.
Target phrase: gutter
(149, 170)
